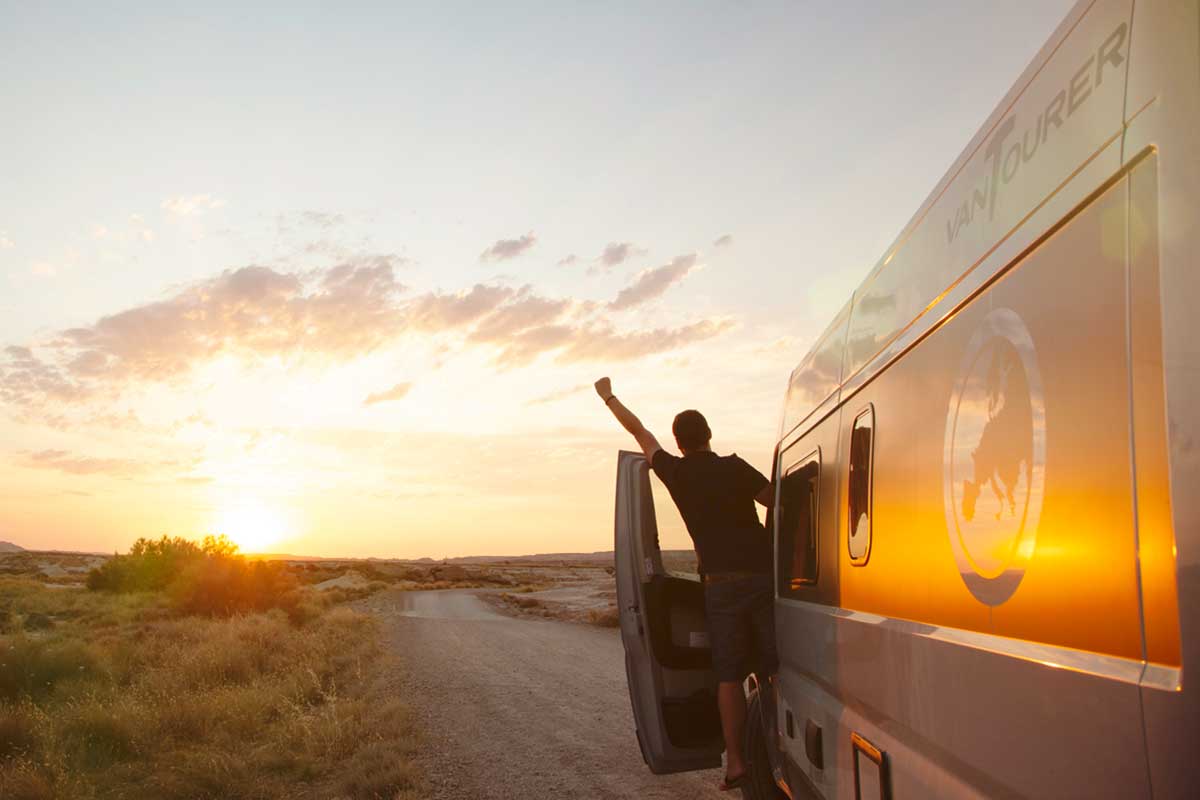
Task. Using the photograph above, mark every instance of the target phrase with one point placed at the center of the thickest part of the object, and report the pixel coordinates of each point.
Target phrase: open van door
(668, 663)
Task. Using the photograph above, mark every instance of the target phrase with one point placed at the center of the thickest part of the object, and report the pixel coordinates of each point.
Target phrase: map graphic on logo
(995, 458)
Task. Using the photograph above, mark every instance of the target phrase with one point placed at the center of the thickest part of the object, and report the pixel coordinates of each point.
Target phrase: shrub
(221, 586)
(605, 618)
(32, 668)
(97, 736)
(36, 621)
(22, 781)
(209, 578)
(151, 565)
(18, 736)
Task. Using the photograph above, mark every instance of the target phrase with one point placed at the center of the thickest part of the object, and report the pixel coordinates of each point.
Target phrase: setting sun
(252, 526)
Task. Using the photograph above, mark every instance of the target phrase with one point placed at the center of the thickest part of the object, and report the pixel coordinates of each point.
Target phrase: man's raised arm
(628, 419)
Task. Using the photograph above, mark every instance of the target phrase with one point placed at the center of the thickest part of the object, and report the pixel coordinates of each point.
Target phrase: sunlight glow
(252, 525)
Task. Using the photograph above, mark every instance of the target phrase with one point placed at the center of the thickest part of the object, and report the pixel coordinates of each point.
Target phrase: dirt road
(519, 709)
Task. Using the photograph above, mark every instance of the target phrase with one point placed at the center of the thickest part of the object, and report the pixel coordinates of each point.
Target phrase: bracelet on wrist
(607, 399)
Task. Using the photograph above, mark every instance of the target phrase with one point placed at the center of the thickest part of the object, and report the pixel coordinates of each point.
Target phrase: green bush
(152, 564)
(209, 578)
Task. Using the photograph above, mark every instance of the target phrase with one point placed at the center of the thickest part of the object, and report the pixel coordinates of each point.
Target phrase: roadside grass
(606, 618)
(118, 695)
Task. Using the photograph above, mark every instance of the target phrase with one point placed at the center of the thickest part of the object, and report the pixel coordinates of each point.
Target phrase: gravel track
(519, 709)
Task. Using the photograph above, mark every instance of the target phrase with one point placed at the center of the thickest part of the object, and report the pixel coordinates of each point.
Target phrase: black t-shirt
(715, 496)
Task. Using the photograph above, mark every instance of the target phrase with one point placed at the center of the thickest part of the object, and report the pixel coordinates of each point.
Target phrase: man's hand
(629, 422)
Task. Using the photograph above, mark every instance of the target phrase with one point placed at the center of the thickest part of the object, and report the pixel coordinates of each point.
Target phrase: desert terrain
(479, 677)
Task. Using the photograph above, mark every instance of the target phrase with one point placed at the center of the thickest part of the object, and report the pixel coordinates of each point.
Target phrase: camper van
(987, 473)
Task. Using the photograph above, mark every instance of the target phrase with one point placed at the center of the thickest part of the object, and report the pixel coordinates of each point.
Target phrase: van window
(862, 442)
(797, 531)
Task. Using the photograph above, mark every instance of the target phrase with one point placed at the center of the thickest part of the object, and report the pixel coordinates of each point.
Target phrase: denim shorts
(741, 627)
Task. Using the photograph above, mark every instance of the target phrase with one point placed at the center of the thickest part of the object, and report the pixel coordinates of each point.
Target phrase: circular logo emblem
(995, 458)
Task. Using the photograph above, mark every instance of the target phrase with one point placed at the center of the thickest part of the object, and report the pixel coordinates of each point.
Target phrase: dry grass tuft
(605, 618)
(123, 697)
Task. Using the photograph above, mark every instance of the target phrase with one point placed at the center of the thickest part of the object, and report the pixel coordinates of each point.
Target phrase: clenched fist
(604, 388)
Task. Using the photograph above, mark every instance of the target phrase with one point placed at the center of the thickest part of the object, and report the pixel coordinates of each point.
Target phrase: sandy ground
(519, 709)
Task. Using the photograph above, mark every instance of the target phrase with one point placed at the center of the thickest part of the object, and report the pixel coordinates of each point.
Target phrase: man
(715, 496)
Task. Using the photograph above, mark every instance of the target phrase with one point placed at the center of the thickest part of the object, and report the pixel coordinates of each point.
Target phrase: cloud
(617, 253)
(43, 269)
(505, 249)
(562, 394)
(436, 312)
(568, 260)
(526, 346)
(723, 241)
(652, 283)
(322, 219)
(99, 232)
(325, 316)
(605, 344)
(5, 242)
(524, 312)
(601, 342)
(252, 312)
(71, 464)
(140, 230)
(189, 205)
(395, 393)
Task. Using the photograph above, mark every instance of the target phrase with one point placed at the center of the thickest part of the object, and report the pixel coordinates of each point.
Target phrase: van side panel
(964, 489)
(996, 560)
(805, 632)
(1156, 538)
(1070, 109)
(1163, 112)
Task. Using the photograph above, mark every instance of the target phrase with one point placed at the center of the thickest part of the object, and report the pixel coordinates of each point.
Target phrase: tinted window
(798, 495)
(862, 441)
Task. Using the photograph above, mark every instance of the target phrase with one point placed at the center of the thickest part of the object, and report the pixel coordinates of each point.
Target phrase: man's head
(691, 431)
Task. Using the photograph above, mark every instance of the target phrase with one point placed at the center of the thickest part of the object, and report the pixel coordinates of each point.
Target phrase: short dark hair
(691, 430)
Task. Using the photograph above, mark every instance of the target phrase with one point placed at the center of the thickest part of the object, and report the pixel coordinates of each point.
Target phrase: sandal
(728, 784)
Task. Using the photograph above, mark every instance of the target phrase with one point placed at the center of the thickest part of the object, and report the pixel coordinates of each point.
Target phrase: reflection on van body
(987, 534)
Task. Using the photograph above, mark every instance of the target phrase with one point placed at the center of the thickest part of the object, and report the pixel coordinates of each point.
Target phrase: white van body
(987, 522)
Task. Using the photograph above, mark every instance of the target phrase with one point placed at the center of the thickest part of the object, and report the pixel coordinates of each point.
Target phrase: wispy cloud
(652, 283)
(252, 312)
(616, 254)
(438, 311)
(526, 311)
(72, 464)
(568, 260)
(325, 317)
(140, 229)
(505, 249)
(606, 344)
(397, 392)
(562, 394)
(321, 221)
(723, 241)
(5, 242)
(189, 205)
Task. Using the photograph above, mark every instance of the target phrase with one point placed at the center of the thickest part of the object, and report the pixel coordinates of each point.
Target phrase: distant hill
(9, 547)
(605, 557)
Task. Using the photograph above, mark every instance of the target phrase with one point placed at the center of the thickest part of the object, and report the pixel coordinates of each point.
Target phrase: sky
(336, 279)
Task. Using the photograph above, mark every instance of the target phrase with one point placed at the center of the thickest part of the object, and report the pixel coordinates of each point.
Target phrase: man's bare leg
(731, 701)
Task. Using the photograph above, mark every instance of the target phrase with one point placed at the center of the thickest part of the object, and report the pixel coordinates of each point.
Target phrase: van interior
(674, 613)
